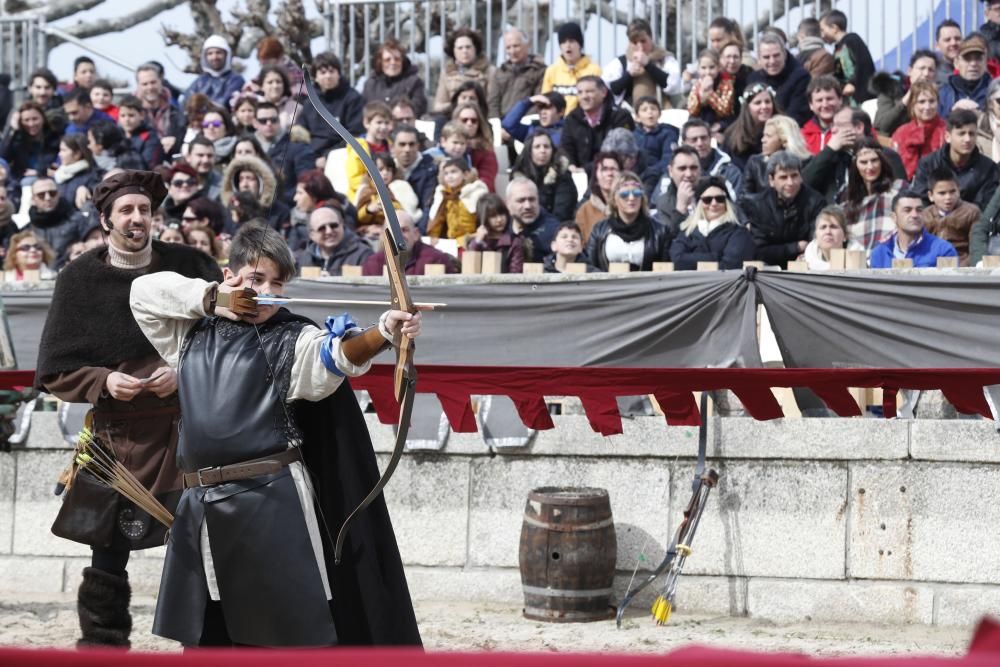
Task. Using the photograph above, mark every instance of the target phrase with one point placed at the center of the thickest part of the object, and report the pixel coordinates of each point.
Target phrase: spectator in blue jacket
(656, 140)
(911, 240)
(967, 89)
(217, 79)
(551, 106)
(81, 112)
(419, 170)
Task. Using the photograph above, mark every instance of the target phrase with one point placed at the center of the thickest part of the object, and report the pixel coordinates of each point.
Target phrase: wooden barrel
(567, 555)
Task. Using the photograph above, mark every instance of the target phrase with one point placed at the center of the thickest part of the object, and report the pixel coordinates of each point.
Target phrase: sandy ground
(463, 626)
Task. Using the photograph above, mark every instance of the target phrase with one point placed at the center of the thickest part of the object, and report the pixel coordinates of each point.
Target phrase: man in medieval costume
(92, 351)
(271, 434)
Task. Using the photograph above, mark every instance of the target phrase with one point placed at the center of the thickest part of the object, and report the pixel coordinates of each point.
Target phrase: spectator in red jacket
(825, 100)
(925, 132)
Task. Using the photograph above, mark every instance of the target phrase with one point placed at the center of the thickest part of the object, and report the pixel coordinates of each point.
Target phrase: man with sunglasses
(92, 351)
(52, 218)
(291, 157)
(182, 187)
(331, 244)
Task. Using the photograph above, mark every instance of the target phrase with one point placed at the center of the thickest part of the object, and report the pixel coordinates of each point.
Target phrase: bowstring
(260, 249)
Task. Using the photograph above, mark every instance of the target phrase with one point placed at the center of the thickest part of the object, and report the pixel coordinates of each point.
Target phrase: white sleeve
(310, 379)
(674, 82)
(166, 305)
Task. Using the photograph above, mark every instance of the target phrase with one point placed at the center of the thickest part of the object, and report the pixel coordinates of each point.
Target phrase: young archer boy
(247, 562)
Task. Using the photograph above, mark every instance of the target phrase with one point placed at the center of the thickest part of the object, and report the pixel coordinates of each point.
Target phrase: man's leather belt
(264, 465)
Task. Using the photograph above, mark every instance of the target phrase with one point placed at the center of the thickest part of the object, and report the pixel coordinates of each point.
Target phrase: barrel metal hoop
(569, 527)
(565, 593)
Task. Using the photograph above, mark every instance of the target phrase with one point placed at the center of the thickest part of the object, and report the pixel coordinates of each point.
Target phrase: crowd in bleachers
(780, 153)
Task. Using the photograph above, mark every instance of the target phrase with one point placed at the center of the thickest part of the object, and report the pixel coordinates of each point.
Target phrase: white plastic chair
(335, 171)
(675, 117)
(426, 128)
(581, 183)
(870, 107)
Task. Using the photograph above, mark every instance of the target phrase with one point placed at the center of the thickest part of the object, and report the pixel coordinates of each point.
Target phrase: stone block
(784, 601)
(955, 440)
(925, 522)
(45, 432)
(766, 519)
(8, 480)
(638, 489)
(966, 605)
(31, 574)
(837, 439)
(641, 437)
(36, 506)
(428, 499)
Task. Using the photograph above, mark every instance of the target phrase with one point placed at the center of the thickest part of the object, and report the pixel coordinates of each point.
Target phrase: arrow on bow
(396, 254)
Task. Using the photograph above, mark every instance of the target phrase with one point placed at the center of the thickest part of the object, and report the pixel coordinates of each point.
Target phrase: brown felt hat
(130, 182)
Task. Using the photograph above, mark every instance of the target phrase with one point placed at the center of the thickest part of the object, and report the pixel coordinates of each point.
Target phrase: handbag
(88, 513)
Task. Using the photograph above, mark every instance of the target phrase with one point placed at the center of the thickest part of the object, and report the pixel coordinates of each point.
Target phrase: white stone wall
(822, 519)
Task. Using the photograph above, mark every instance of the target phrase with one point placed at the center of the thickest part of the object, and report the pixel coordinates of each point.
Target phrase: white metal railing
(22, 50)
(893, 29)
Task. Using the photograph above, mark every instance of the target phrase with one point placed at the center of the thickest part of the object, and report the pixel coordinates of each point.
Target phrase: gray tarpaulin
(918, 320)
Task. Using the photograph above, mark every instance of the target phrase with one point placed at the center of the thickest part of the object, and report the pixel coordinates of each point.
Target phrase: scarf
(639, 229)
(68, 171)
(130, 261)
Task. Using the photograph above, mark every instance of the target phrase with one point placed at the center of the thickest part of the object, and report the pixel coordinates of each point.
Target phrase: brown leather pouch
(88, 513)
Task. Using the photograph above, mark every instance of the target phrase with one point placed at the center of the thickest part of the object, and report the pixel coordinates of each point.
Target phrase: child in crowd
(656, 140)
(567, 248)
(371, 216)
(145, 140)
(853, 65)
(551, 106)
(712, 98)
(454, 143)
(377, 119)
(453, 211)
(948, 217)
(562, 75)
(494, 232)
(102, 97)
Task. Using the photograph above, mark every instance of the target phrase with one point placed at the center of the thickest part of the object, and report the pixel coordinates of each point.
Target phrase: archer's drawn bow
(405, 378)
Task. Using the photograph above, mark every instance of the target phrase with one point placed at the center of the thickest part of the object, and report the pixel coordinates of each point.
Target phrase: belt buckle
(208, 469)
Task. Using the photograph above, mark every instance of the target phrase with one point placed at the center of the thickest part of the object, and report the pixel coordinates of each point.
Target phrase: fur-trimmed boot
(102, 602)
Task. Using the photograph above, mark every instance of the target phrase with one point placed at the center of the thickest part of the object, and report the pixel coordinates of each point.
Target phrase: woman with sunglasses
(541, 163)
(480, 147)
(182, 187)
(27, 252)
(32, 147)
(629, 234)
(217, 126)
(712, 233)
(393, 76)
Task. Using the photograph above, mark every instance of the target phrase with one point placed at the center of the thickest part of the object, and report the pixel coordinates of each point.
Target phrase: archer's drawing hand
(235, 302)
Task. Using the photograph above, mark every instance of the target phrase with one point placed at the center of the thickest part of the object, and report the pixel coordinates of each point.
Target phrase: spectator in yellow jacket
(453, 211)
(562, 75)
(377, 117)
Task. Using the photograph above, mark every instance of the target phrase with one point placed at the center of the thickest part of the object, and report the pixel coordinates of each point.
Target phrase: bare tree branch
(52, 10)
(296, 31)
(84, 30)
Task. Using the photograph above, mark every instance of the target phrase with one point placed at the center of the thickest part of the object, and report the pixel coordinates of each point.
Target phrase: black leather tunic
(269, 581)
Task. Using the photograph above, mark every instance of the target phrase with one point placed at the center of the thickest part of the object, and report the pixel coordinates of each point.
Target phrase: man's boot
(102, 602)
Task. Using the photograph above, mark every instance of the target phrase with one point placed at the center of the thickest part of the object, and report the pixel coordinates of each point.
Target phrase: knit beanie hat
(568, 31)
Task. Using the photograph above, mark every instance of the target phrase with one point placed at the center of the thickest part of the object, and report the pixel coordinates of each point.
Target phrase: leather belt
(265, 465)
